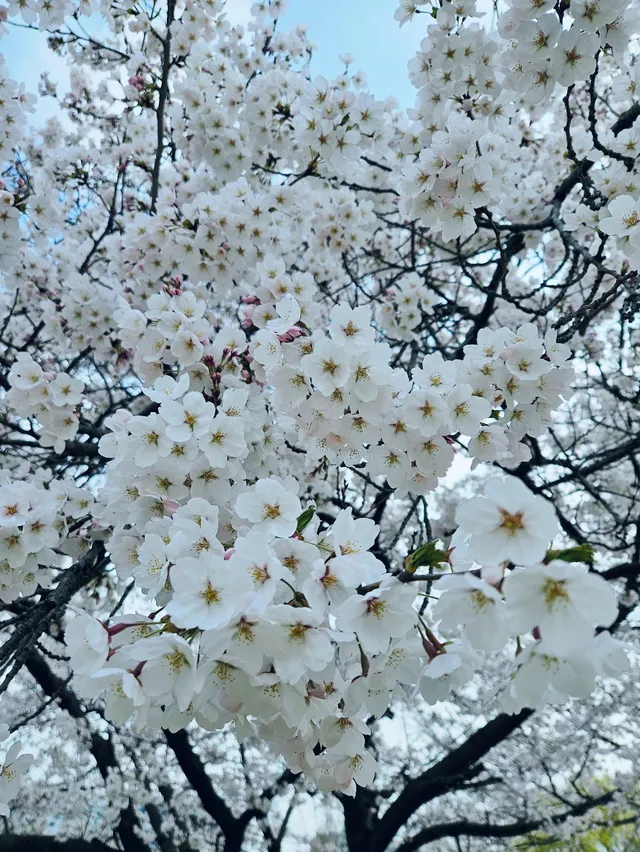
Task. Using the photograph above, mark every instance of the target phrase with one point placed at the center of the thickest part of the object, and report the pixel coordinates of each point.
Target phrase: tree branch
(162, 100)
(41, 843)
(444, 776)
(233, 828)
(479, 829)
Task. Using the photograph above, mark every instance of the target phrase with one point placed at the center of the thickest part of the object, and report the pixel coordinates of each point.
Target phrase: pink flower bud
(116, 628)
(492, 574)
(429, 648)
(170, 506)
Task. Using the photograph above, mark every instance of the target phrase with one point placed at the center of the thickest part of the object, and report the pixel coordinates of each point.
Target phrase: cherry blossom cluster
(621, 222)
(352, 406)
(284, 117)
(12, 766)
(298, 635)
(461, 170)
(522, 586)
(234, 333)
(458, 161)
(48, 13)
(405, 305)
(15, 104)
(460, 164)
(268, 631)
(53, 398)
(36, 517)
(542, 52)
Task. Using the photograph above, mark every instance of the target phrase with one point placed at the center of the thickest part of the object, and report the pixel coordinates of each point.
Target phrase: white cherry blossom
(508, 523)
(564, 600)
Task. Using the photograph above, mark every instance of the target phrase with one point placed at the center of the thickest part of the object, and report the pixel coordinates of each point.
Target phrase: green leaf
(430, 554)
(579, 553)
(298, 601)
(305, 519)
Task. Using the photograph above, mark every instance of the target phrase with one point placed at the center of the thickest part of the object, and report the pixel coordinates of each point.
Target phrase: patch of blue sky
(367, 30)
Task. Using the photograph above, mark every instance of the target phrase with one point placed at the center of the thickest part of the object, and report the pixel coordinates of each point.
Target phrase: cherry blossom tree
(319, 423)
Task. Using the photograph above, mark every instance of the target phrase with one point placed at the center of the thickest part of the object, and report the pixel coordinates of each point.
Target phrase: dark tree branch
(29, 629)
(40, 843)
(446, 775)
(101, 748)
(233, 828)
(479, 829)
(162, 100)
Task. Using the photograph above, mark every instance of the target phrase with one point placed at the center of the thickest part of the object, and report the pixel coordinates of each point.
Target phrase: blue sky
(364, 28)
(367, 30)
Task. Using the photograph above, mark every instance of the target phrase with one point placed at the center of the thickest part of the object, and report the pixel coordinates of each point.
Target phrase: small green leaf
(430, 554)
(305, 519)
(298, 601)
(579, 553)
